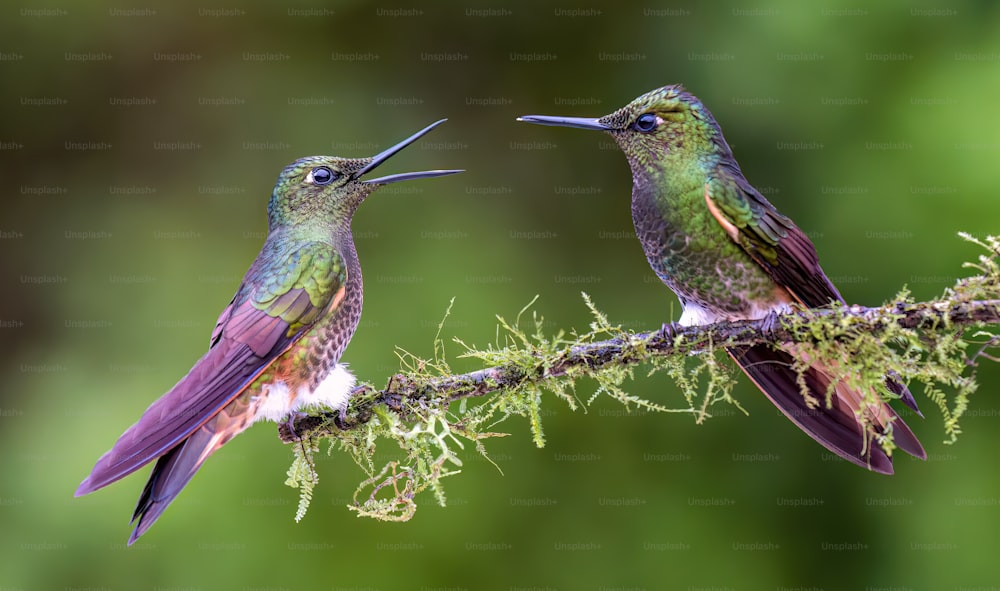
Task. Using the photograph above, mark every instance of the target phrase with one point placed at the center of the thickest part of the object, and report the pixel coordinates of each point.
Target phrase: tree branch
(629, 349)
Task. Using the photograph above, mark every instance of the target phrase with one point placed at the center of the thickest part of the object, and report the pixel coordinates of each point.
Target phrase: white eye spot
(647, 122)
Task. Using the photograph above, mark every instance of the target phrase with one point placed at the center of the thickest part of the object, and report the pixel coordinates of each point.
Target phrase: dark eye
(322, 175)
(646, 122)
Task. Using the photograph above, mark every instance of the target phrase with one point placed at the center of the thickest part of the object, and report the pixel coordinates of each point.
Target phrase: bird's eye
(646, 122)
(322, 175)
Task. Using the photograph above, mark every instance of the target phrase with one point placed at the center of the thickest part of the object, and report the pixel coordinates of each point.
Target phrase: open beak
(404, 176)
(580, 122)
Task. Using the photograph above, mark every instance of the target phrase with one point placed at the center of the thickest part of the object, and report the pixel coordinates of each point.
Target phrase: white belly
(333, 392)
(695, 315)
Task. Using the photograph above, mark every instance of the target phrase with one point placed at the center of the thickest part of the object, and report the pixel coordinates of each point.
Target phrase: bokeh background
(138, 146)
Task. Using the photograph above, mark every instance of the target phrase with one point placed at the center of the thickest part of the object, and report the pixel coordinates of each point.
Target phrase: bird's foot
(362, 410)
(668, 332)
(290, 424)
(341, 421)
(768, 326)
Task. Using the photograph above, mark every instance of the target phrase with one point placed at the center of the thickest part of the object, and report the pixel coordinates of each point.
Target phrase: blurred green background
(138, 147)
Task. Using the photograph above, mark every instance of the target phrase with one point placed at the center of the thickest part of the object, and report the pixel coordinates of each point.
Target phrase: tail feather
(836, 427)
(896, 387)
(904, 438)
(162, 487)
(174, 469)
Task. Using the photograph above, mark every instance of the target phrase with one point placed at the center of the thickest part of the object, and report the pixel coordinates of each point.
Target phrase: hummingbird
(728, 254)
(276, 347)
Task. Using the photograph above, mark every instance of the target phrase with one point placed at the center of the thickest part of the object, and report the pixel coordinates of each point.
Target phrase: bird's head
(329, 189)
(666, 122)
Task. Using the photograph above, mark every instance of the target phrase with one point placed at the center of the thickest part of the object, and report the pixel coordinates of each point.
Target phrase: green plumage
(301, 284)
(677, 167)
(728, 254)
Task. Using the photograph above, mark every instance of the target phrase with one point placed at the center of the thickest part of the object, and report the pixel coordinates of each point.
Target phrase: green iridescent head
(330, 188)
(668, 121)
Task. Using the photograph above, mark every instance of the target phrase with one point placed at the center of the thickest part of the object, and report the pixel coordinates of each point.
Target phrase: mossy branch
(630, 349)
(923, 342)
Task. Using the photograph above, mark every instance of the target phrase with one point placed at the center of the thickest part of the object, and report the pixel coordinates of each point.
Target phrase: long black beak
(404, 176)
(581, 122)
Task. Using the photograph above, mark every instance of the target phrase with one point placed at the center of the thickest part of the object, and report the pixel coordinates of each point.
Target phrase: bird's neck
(337, 235)
(674, 174)
(312, 229)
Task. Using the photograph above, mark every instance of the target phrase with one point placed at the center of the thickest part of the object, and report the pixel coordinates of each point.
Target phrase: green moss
(302, 474)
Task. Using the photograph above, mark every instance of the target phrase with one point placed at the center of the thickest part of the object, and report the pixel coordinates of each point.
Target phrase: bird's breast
(309, 373)
(696, 258)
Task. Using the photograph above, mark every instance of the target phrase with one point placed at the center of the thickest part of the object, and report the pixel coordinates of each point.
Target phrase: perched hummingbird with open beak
(728, 254)
(276, 348)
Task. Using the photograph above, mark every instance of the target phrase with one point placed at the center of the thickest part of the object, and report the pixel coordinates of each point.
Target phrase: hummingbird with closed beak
(276, 347)
(728, 254)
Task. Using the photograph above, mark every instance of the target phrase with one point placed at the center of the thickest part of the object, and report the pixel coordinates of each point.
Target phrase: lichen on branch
(431, 413)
